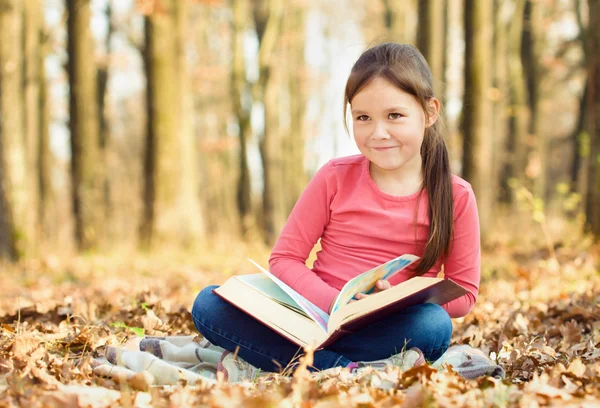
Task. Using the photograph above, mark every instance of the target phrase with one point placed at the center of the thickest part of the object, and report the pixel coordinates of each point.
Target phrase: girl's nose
(380, 132)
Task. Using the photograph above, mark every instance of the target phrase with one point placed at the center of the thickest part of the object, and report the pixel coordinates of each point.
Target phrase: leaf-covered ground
(540, 320)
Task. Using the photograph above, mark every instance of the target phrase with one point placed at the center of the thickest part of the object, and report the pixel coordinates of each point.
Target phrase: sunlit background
(202, 121)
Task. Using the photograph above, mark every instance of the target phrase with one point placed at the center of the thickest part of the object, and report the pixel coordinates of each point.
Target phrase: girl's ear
(433, 110)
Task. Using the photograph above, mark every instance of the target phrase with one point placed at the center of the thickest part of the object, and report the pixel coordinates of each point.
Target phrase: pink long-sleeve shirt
(361, 227)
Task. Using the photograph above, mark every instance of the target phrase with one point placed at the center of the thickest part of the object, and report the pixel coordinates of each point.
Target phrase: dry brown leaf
(577, 368)
(24, 344)
(75, 396)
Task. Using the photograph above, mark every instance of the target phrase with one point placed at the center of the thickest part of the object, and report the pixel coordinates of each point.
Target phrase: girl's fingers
(382, 285)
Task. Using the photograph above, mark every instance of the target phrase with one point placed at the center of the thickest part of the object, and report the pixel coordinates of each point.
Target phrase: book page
(365, 282)
(320, 317)
(267, 287)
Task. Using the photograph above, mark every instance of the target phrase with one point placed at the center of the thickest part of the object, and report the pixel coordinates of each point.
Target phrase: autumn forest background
(149, 147)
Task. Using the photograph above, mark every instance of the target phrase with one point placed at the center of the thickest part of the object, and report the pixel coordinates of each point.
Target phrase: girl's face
(388, 126)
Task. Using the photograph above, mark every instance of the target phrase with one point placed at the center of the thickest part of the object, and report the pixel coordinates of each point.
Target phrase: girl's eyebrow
(391, 109)
(396, 108)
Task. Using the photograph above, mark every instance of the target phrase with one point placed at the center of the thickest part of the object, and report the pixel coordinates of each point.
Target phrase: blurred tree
(518, 120)
(104, 135)
(16, 211)
(578, 135)
(499, 93)
(190, 209)
(431, 38)
(477, 110)
(293, 175)
(267, 22)
(218, 147)
(241, 96)
(397, 16)
(36, 128)
(593, 170)
(171, 209)
(44, 156)
(86, 166)
(530, 58)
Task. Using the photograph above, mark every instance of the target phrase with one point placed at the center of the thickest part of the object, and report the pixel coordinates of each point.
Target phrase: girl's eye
(362, 118)
(395, 116)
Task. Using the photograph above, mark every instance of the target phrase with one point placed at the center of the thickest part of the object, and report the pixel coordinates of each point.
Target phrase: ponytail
(437, 181)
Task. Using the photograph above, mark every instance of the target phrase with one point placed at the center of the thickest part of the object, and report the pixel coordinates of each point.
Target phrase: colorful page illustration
(365, 282)
(320, 317)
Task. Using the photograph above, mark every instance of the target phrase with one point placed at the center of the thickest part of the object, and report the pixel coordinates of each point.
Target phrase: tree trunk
(577, 142)
(218, 148)
(593, 57)
(443, 92)
(104, 135)
(530, 55)
(430, 38)
(170, 214)
(86, 169)
(267, 22)
(298, 82)
(32, 85)
(578, 162)
(518, 122)
(398, 21)
(44, 159)
(499, 96)
(477, 109)
(242, 106)
(16, 212)
(189, 184)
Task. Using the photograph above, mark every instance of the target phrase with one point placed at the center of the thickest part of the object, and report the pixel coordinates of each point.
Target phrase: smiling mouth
(384, 148)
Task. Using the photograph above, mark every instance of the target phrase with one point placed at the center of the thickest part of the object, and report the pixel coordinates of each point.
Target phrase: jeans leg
(226, 326)
(426, 326)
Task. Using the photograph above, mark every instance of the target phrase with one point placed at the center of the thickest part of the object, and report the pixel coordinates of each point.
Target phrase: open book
(284, 310)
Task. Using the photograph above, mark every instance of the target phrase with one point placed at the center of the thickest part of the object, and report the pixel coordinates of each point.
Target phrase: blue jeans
(425, 326)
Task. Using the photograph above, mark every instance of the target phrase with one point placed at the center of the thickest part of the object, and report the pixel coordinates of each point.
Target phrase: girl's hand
(380, 286)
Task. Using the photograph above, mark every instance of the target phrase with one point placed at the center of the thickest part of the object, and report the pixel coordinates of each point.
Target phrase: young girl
(397, 197)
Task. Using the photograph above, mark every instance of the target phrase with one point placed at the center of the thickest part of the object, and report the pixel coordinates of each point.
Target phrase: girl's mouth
(383, 148)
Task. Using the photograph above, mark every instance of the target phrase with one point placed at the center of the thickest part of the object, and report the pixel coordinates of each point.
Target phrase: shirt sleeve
(299, 235)
(463, 265)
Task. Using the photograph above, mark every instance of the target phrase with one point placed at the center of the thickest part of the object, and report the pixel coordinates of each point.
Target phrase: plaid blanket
(167, 360)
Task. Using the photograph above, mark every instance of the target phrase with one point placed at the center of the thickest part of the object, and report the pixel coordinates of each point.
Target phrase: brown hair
(405, 67)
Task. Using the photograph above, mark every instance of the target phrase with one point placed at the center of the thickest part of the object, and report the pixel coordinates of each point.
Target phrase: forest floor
(537, 315)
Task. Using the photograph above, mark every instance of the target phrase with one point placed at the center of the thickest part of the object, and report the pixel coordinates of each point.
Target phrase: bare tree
(293, 174)
(170, 212)
(104, 135)
(212, 97)
(33, 67)
(397, 16)
(518, 120)
(530, 58)
(577, 161)
(86, 166)
(431, 37)
(477, 109)
(499, 93)
(593, 170)
(241, 95)
(16, 211)
(267, 22)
